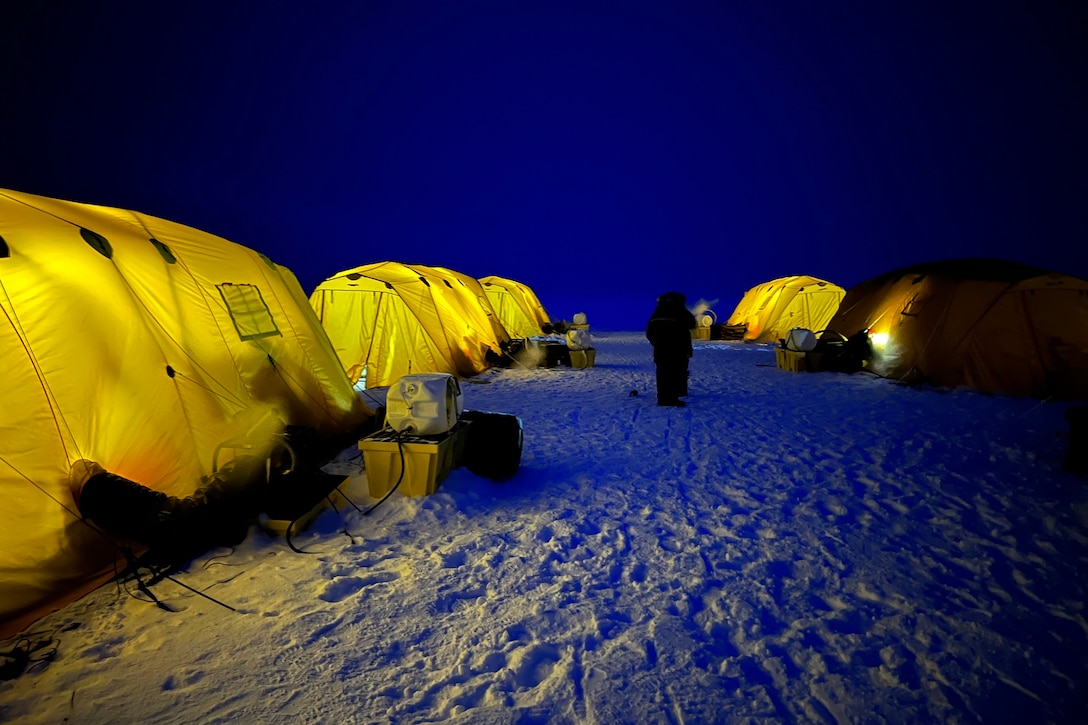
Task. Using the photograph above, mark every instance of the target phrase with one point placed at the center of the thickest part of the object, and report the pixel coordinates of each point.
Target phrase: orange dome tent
(988, 324)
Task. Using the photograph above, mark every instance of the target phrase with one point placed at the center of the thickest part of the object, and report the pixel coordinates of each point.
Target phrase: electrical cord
(399, 438)
(287, 538)
(400, 449)
(19, 659)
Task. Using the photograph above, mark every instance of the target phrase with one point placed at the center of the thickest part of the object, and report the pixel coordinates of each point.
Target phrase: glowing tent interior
(159, 352)
(770, 310)
(389, 319)
(517, 306)
(988, 324)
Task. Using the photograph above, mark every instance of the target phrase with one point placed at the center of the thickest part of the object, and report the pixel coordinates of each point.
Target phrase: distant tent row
(770, 310)
(388, 319)
(150, 348)
(988, 324)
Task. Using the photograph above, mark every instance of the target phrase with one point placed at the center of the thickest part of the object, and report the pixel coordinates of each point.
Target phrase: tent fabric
(517, 306)
(389, 319)
(770, 310)
(988, 324)
(477, 307)
(143, 345)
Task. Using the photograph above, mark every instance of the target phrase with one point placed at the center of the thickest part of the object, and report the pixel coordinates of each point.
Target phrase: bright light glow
(879, 339)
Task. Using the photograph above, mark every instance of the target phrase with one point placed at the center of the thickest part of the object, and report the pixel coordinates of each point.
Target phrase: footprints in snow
(180, 681)
(340, 588)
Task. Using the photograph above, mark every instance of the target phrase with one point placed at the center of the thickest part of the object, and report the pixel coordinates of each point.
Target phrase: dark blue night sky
(601, 152)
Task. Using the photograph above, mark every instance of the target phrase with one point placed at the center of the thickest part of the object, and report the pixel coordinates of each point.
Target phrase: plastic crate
(427, 460)
(789, 360)
(583, 358)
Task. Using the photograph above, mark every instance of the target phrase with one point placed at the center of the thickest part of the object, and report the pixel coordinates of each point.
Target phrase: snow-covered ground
(790, 547)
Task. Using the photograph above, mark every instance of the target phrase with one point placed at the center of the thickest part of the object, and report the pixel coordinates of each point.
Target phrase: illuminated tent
(388, 319)
(982, 323)
(770, 310)
(143, 345)
(517, 306)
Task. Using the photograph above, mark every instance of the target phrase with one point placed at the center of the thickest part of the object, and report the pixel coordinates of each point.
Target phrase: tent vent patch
(164, 251)
(251, 316)
(914, 305)
(98, 242)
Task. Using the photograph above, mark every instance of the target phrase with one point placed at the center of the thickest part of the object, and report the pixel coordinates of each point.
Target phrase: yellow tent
(388, 319)
(982, 323)
(143, 345)
(517, 307)
(473, 291)
(770, 310)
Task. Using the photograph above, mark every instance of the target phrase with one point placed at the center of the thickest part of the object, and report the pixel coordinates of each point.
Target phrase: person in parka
(669, 331)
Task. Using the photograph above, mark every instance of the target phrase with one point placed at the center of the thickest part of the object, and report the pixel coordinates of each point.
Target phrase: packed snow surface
(799, 547)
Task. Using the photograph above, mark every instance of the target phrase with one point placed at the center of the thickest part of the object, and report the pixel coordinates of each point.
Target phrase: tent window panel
(251, 316)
